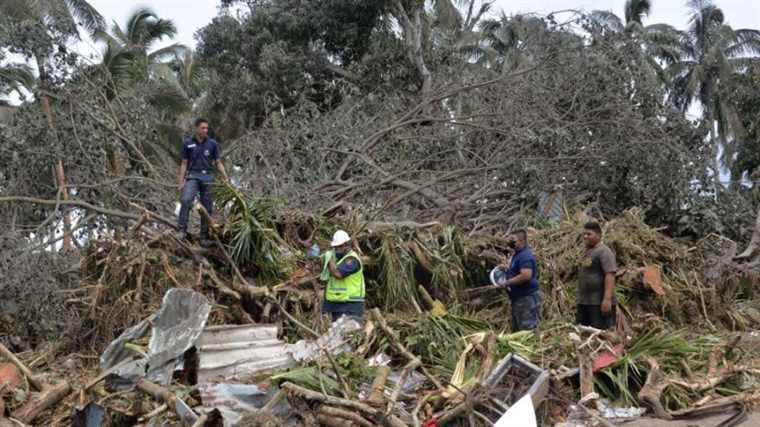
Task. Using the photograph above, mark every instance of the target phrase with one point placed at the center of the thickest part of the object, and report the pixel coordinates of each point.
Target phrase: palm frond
(86, 15)
(119, 62)
(747, 42)
(119, 34)
(158, 29)
(168, 96)
(15, 76)
(135, 29)
(255, 242)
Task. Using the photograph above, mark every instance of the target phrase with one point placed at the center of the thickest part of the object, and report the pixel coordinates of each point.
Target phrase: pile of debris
(233, 334)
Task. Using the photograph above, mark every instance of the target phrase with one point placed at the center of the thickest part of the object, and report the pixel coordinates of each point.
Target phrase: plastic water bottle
(313, 251)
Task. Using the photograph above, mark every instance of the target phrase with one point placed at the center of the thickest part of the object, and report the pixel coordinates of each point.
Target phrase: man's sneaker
(206, 242)
(182, 236)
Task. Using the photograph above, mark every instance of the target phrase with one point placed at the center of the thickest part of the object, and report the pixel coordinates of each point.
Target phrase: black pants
(338, 309)
(591, 315)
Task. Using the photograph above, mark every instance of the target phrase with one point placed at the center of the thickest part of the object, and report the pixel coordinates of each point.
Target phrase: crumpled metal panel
(232, 352)
(178, 324)
(175, 328)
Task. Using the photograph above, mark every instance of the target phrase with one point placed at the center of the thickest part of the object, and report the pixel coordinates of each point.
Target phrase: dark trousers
(338, 309)
(193, 187)
(526, 311)
(591, 315)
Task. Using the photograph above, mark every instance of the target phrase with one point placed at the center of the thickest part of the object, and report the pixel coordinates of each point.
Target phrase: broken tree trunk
(21, 367)
(586, 374)
(655, 384)
(378, 386)
(754, 241)
(61, 179)
(367, 410)
(47, 399)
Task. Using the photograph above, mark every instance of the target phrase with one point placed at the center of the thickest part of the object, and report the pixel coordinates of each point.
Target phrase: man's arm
(609, 290)
(609, 266)
(182, 171)
(347, 268)
(524, 277)
(334, 270)
(220, 167)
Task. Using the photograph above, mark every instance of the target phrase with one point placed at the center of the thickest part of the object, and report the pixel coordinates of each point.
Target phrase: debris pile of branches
(431, 349)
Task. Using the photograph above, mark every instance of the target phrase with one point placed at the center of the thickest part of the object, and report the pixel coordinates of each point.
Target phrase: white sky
(190, 15)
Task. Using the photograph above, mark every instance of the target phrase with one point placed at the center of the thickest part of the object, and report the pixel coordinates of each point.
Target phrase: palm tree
(191, 76)
(634, 13)
(57, 21)
(712, 53)
(60, 20)
(127, 55)
(453, 27)
(660, 42)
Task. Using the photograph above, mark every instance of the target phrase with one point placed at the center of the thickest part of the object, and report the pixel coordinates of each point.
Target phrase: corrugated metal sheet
(239, 352)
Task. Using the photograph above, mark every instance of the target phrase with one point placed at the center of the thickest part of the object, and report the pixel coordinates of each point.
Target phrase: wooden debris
(26, 371)
(586, 374)
(367, 410)
(351, 417)
(652, 391)
(377, 392)
(47, 399)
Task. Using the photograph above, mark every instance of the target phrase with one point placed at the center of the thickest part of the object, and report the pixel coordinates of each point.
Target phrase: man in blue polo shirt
(199, 161)
(521, 281)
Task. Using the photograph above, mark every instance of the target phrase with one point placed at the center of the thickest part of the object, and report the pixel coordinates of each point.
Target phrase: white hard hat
(340, 238)
(497, 276)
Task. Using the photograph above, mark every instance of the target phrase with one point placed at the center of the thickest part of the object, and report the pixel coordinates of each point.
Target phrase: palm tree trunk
(714, 149)
(60, 178)
(413, 36)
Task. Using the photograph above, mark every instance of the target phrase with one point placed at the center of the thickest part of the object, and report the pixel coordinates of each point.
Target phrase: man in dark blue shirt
(521, 281)
(199, 161)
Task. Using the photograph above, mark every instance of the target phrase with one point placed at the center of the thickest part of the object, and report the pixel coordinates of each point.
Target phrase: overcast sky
(190, 15)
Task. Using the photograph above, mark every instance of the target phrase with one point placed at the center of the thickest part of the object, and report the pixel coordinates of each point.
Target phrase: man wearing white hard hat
(344, 274)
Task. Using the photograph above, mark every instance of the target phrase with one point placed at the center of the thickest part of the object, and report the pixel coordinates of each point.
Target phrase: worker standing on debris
(521, 281)
(199, 160)
(344, 274)
(596, 291)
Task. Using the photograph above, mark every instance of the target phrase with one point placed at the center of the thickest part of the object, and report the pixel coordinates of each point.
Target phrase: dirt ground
(752, 420)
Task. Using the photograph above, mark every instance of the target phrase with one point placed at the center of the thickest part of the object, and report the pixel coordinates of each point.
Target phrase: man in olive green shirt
(596, 289)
